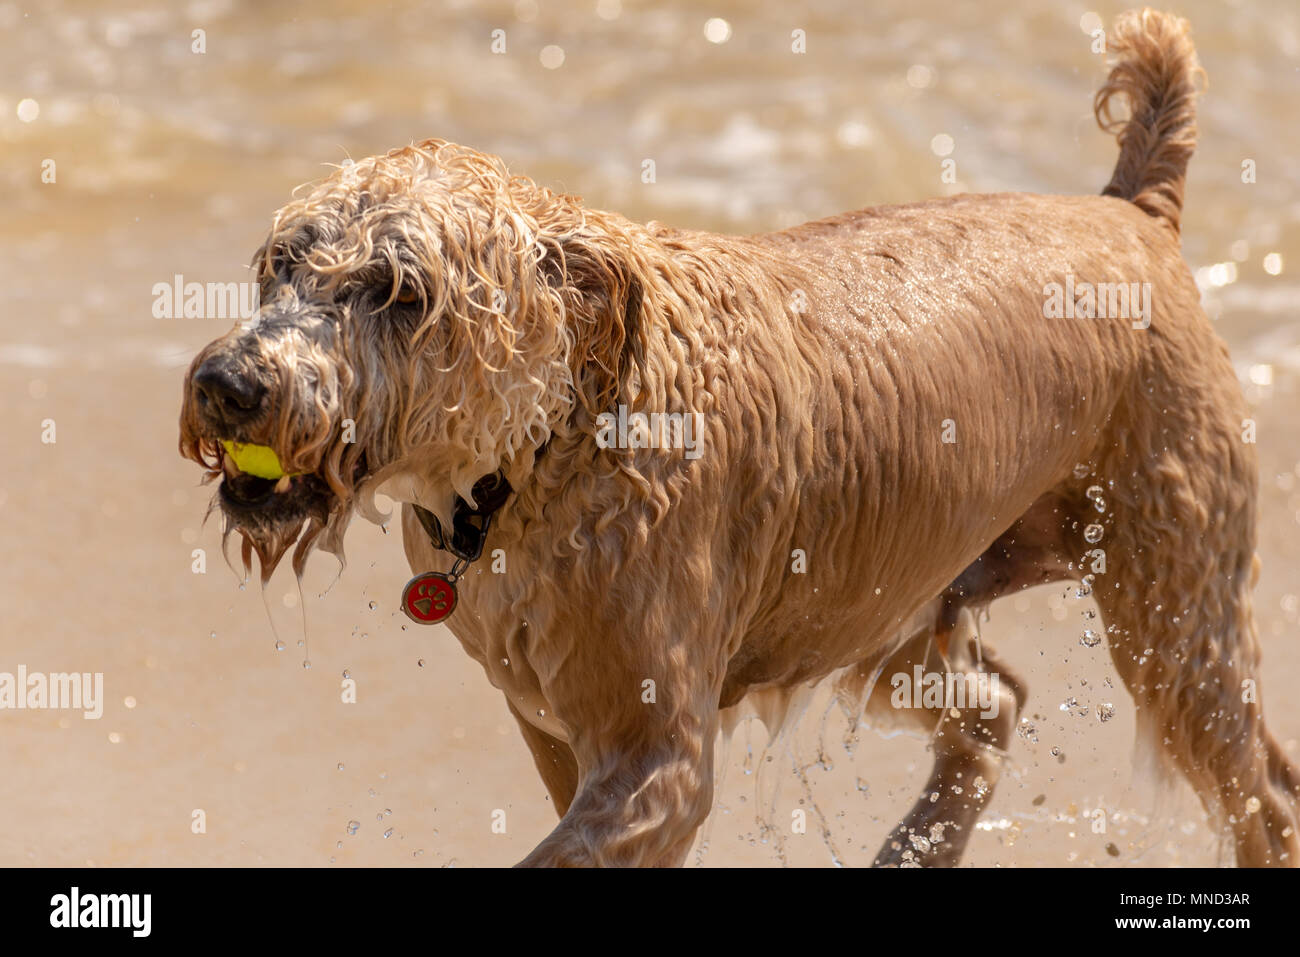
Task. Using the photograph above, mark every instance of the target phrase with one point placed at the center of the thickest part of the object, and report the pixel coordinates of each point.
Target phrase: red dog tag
(429, 598)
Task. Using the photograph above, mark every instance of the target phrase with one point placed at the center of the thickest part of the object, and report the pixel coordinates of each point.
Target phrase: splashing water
(1027, 730)
(1095, 493)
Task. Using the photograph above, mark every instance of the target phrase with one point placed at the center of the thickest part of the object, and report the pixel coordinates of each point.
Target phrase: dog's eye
(407, 295)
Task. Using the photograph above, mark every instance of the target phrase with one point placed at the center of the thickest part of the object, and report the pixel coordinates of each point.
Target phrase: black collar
(469, 524)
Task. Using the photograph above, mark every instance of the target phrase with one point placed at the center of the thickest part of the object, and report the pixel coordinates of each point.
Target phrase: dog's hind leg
(1181, 481)
(969, 741)
(1179, 537)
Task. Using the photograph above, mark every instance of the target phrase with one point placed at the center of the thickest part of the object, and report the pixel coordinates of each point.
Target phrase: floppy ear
(603, 302)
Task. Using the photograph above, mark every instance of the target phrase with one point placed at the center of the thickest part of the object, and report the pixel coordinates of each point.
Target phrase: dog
(902, 414)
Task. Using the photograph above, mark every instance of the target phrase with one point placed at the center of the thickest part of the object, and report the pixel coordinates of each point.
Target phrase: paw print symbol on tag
(429, 598)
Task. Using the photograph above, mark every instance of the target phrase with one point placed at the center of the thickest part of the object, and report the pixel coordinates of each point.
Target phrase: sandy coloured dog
(902, 415)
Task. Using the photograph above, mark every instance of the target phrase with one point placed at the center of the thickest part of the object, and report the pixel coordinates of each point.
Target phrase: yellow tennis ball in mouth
(259, 460)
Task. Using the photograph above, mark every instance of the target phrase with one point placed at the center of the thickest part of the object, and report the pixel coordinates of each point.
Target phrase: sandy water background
(170, 162)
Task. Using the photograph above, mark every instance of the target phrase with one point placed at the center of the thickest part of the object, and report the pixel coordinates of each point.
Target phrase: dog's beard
(270, 535)
(272, 542)
(431, 480)
(270, 545)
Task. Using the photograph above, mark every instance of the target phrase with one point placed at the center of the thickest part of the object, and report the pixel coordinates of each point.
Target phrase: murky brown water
(169, 162)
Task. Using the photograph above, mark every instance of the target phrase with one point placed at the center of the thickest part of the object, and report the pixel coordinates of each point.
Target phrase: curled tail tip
(1157, 74)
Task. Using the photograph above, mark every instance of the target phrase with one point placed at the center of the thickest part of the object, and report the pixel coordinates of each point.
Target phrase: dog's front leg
(637, 807)
(554, 760)
(641, 717)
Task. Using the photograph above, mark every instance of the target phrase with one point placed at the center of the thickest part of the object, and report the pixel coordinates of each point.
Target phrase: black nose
(226, 392)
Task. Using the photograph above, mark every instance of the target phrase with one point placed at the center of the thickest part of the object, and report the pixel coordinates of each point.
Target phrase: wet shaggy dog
(903, 418)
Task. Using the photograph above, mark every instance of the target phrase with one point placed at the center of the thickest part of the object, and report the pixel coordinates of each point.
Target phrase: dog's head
(426, 319)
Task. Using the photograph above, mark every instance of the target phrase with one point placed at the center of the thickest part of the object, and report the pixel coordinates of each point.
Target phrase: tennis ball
(259, 460)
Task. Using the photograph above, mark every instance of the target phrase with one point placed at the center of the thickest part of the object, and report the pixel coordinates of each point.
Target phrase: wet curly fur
(432, 319)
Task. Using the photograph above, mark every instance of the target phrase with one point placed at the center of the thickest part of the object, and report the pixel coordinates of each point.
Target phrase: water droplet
(353, 826)
(388, 833)
(1092, 534)
(339, 845)
(374, 605)
(936, 834)
(212, 634)
(1094, 492)
(1090, 638)
(919, 842)
(541, 712)
(340, 765)
(420, 662)
(1252, 805)
(306, 665)
(347, 672)
(1081, 470)
(279, 646)
(506, 662)
(1105, 711)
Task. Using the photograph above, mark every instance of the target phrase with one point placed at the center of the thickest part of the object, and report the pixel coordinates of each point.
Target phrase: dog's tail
(1158, 74)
